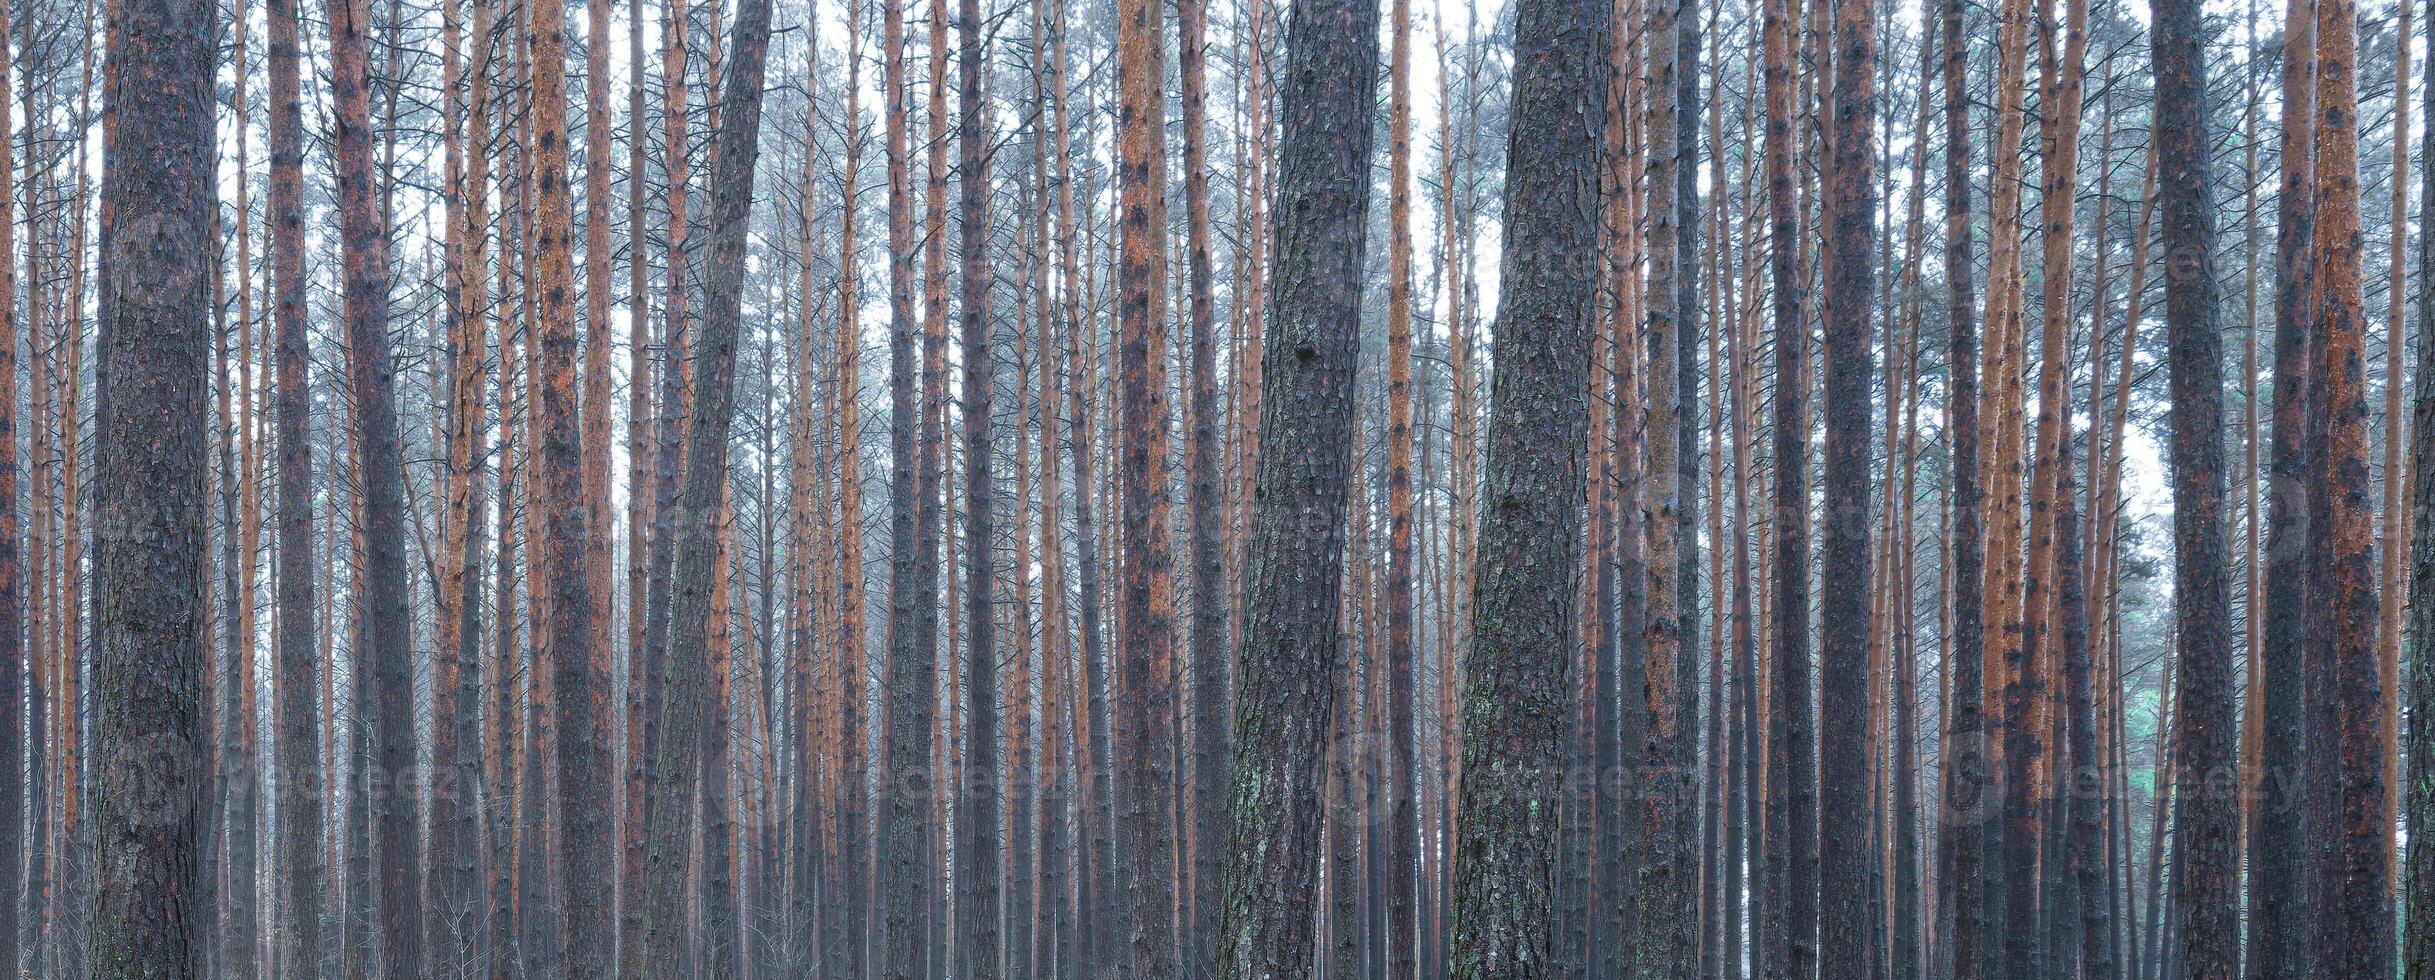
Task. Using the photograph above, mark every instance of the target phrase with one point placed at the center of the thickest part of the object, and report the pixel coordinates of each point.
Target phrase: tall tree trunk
(457, 660)
(1844, 880)
(2418, 873)
(2205, 823)
(844, 944)
(911, 682)
(566, 638)
(807, 626)
(149, 657)
(1145, 675)
(979, 838)
(2354, 930)
(16, 735)
(1513, 713)
(15, 821)
(241, 767)
(387, 649)
(1291, 644)
(1205, 505)
(1402, 663)
(1789, 920)
(639, 481)
(2277, 843)
(689, 693)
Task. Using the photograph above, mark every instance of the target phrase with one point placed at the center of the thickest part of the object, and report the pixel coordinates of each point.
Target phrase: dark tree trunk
(911, 682)
(1520, 692)
(2278, 903)
(1963, 795)
(148, 494)
(564, 637)
(689, 692)
(14, 730)
(1292, 644)
(2206, 821)
(1212, 727)
(2084, 779)
(979, 839)
(1845, 841)
(1788, 923)
(387, 647)
(2418, 873)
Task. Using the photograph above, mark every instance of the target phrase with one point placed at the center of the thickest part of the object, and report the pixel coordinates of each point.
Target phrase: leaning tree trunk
(1520, 694)
(1291, 643)
(705, 483)
(387, 634)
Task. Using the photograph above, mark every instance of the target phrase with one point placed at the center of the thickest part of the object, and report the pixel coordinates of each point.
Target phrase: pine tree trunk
(1205, 505)
(911, 682)
(300, 804)
(1402, 664)
(690, 694)
(1291, 646)
(1513, 713)
(2418, 873)
(2277, 843)
(566, 637)
(639, 480)
(457, 671)
(1789, 920)
(979, 838)
(2205, 880)
(1146, 841)
(149, 563)
(845, 942)
(386, 637)
(2354, 927)
(1844, 879)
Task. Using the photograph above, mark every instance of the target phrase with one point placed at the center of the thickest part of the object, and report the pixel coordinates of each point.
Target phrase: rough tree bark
(566, 636)
(2205, 821)
(911, 681)
(2354, 925)
(149, 560)
(457, 659)
(979, 895)
(1530, 531)
(699, 508)
(1845, 841)
(1291, 643)
(1145, 675)
(2277, 846)
(387, 636)
(2418, 872)
(1788, 921)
